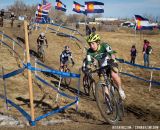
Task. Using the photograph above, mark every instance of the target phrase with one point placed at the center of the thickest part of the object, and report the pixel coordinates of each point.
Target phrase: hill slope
(142, 106)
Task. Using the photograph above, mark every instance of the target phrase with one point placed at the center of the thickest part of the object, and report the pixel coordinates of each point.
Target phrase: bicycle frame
(89, 85)
(106, 96)
(65, 68)
(41, 52)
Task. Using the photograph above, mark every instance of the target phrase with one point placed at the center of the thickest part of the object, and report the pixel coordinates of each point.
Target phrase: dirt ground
(142, 107)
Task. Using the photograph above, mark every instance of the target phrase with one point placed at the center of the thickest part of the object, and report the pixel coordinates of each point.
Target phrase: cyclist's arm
(89, 60)
(46, 41)
(38, 40)
(71, 58)
(61, 57)
(110, 52)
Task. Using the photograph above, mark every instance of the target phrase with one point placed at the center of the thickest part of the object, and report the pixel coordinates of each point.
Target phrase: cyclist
(1, 17)
(12, 17)
(65, 56)
(41, 40)
(104, 54)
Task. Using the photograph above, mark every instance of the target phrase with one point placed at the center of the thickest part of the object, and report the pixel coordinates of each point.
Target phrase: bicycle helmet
(42, 34)
(93, 38)
(66, 48)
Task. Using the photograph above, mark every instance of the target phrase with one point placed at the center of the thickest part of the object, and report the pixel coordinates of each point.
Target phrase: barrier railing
(35, 69)
(151, 69)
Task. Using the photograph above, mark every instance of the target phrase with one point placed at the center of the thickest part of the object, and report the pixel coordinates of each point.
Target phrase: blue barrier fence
(13, 73)
(140, 66)
(66, 35)
(47, 69)
(137, 65)
(62, 74)
(12, 50)
(11, 39)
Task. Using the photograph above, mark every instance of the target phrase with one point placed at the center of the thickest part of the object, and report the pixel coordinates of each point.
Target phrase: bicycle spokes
(107, 104)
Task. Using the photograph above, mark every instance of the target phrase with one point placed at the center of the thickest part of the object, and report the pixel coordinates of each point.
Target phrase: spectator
(77, 25)
(2, 12)
(1, 17)
(147, 50)
(88, 30)
(12, 17)
(133, 54)
(93, 29)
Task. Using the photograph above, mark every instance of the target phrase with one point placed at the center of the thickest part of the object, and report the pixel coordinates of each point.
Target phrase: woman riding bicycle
(41, 40)
(103, 53)
(65, 55)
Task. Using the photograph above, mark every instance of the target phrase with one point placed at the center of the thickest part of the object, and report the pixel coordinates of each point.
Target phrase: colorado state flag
(94, 7)
(60, 6)
(78, 7)
(142, 23)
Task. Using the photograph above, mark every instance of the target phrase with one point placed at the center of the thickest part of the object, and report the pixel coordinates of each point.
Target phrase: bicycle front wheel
(67, 80)
(93, 89)
(86, 85)
(43, 56)
(107, 104)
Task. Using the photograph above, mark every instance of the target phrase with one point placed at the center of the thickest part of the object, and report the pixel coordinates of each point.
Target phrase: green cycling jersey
(103, 53)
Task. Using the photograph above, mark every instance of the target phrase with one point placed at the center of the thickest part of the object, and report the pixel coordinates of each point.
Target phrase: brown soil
(142, 107)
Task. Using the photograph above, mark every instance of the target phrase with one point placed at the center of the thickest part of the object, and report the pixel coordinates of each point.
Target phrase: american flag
(43, 10)
(46, 6)
(44, 2)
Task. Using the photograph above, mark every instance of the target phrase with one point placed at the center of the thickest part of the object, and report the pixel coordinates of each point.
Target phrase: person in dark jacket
(88, 30)
(1, 17)
(93, 29)
(133, 54)
(147, 50)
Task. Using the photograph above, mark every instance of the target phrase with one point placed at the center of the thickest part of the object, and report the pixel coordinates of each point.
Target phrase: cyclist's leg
(65, 65)
(38, 47)
(62, 63)
(116, 78)
(43, 53)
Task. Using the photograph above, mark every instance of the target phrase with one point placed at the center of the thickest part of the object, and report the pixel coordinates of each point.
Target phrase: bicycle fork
(107, 94)
(108, 100)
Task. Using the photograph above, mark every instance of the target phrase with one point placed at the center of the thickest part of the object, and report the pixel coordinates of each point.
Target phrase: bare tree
(20, 8)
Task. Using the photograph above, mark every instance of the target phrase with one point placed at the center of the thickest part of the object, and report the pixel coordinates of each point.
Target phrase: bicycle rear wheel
(41, 53)
(43, 56)
(107, 105)
(67, 80)
(86, 85)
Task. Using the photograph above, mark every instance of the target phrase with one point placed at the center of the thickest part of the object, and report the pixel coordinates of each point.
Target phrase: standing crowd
(146, 51)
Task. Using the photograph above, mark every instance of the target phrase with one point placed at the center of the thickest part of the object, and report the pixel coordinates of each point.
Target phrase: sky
(112, 8)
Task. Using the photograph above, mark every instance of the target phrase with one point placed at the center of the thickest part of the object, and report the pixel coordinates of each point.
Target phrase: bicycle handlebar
(100, 68)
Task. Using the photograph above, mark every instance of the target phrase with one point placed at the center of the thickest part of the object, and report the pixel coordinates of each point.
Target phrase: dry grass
(137, 91)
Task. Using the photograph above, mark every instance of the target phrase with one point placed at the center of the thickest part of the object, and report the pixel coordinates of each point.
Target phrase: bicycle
(108, 98)
(64, 68)
(41, 52)
(89, 84)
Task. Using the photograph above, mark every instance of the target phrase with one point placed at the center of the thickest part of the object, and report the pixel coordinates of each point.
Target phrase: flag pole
(85, 21)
